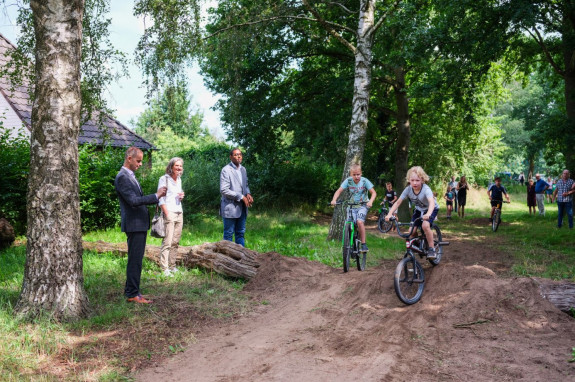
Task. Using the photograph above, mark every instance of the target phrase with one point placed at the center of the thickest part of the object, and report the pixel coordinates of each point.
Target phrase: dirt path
(317, 324)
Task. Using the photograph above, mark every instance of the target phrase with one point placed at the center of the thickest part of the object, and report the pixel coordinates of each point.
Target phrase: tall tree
(545, 31)
(53, 278)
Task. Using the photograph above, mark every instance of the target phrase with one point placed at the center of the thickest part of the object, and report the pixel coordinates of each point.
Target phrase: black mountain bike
(497, 215)
(351, 243)
(409, 278)
(382, 225)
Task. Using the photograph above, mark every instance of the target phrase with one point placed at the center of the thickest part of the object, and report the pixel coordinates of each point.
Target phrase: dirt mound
(319, 324)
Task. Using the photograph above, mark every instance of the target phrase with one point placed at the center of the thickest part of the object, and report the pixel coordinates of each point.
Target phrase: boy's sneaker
(168, 273)
(364, 247)
(431, 254)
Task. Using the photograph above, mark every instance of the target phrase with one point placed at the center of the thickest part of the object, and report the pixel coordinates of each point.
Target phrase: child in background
(390, 195)
(420, 195)
(495, 193)
(358, 187)
(449, 196)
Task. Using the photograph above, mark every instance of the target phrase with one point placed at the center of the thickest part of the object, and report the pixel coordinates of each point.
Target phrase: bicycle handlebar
(498, 200)
(398, 224)
(346, 202)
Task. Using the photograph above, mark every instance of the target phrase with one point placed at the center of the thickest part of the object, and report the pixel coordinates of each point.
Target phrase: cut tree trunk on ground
(223, 257)
(559, 293)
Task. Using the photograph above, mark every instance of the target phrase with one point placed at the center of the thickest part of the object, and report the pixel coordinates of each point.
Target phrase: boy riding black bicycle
(495, 193)
(426, 207)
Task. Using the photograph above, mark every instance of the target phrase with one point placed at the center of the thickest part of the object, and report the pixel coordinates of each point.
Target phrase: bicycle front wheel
(346, 248)
(496, 220)
(382, 225)
(409, 280)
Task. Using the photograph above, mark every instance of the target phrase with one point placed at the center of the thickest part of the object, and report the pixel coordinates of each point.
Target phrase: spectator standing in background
(521, 179)
(462, 188)
(563, 194)
(531, 201)
(453, 185)
(540, 187)
(549, 191)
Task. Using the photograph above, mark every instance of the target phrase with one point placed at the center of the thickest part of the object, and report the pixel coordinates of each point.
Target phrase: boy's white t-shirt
(420, 200)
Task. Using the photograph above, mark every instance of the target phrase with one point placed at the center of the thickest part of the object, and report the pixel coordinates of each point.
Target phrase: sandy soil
(315, 323)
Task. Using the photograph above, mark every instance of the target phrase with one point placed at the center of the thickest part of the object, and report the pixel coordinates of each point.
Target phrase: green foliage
(99, 205)
(169, 40)
(100, 65)
(170, 110)
(14, 162)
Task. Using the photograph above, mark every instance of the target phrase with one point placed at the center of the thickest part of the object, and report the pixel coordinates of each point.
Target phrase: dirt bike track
(315, 323)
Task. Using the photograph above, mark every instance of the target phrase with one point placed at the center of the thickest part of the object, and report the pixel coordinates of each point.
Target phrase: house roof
(109, 132)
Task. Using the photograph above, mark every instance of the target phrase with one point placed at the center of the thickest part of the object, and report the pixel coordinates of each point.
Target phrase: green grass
(539, 248)
(287, 233)
(27, 347)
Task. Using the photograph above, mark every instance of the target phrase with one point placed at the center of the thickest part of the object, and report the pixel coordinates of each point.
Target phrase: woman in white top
(171, 206)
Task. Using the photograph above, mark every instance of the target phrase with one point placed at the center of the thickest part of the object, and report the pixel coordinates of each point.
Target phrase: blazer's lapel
(235, 172)
(133, 180)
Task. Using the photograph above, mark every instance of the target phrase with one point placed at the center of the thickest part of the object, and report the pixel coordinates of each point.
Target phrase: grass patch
(101, 346)
(538, 247)
(290, 234)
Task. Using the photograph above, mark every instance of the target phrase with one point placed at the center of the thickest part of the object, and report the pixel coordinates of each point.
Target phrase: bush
(14, 162)
(99, 205)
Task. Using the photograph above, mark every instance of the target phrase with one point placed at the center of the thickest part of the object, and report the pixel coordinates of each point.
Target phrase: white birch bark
(360, 102)
(53, 278)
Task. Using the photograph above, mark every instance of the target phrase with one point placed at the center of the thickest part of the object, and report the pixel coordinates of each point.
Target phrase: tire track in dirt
(323, 325)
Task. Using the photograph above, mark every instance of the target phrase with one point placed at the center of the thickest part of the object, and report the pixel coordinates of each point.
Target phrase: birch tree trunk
(53, 278)
(360, 103)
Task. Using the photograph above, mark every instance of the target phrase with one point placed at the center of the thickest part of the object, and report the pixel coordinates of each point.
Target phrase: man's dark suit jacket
(133, 210)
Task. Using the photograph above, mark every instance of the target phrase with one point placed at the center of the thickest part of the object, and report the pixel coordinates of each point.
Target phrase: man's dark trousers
(136, 249)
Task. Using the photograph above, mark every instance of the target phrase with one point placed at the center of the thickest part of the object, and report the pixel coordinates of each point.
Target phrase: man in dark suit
(236, 198)
(135, 220)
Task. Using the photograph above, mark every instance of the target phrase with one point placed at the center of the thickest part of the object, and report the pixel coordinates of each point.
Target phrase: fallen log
(559, 293)
(223, 257)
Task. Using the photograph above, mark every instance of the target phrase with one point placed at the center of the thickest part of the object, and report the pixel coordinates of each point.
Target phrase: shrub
(14, 162)
(99, 205)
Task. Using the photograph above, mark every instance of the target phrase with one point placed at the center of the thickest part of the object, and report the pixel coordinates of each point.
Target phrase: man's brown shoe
(139, 299)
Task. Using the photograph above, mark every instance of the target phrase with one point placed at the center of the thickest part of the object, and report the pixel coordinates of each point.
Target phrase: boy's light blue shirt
(358, 192)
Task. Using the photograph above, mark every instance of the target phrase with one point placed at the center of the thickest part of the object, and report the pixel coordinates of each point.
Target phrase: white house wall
(11, 120)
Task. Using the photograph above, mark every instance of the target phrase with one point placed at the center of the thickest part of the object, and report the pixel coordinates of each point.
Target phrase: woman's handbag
(158, 226)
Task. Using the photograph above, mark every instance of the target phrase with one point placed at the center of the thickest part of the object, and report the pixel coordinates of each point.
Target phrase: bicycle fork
(413, 274)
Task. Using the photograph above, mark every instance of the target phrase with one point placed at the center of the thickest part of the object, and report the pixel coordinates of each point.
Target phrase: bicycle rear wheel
(409, 280)
(382, 225)
(346, 248)
(438, 248)
(496, 220)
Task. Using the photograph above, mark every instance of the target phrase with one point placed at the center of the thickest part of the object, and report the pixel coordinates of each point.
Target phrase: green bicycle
(351, 244)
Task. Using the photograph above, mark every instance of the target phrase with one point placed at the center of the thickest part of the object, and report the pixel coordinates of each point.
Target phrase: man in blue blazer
(135, 219)
(236, 198)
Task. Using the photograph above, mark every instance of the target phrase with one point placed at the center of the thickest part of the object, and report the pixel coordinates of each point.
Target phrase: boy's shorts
(417, 214)
(495, 203)
(359, 213)
(449, 203)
